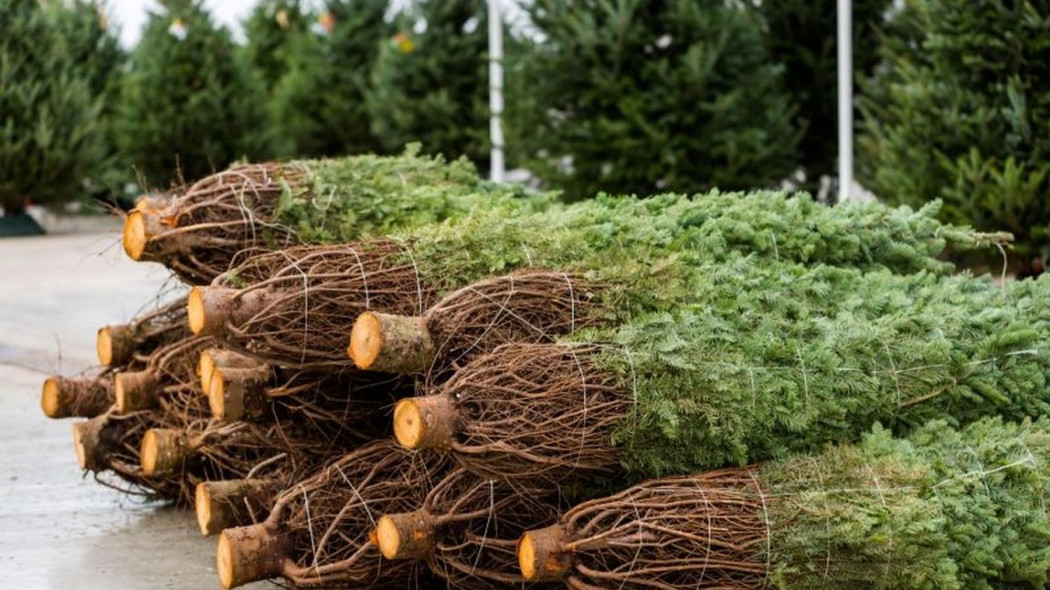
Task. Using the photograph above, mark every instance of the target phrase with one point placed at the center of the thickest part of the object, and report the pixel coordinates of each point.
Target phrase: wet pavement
(59, 529)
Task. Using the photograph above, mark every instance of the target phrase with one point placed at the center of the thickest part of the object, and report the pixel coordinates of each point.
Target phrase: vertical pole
(845, 98)
(496, 89)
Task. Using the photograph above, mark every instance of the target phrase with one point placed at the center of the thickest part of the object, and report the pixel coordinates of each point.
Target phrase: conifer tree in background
(319, 105)
(802, 37)
(963, 114)
(643, 95)
(96, 52)
(51, 104)
(188, 103)
(270, 30)
(433, 86)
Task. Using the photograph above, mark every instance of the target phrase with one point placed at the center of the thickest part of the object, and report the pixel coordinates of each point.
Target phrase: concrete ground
(59, 529)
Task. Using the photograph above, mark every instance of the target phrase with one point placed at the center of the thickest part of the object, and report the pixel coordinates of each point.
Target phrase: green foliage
(320, 103)
(942, 509)
(57, 63)
(96, 52)
(770, 350)
(641, 248)
(188, 103)
(92, 44)
(802, 37)
(361, 196)
(771, 358)
(433, 86)
(961, 111)
(270, 30)
(643, 96)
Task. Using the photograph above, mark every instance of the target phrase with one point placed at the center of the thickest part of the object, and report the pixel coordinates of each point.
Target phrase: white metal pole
(845, 98)
(496, 89)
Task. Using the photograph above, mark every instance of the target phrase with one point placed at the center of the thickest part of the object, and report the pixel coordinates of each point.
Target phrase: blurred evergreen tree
(188, 104)
(647, 95)
(802, 37)
(270, 30)
(960, 110)
(95, 48)
(57, 64)
(432, 86)
(319, 104)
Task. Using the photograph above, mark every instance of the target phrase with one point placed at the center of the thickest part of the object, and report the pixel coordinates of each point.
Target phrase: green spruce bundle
(772, 358)
(617, 279)
(944, 508)
(466, 530)
(636, 255)
(273, 205)
(317, 534)
(627, 237)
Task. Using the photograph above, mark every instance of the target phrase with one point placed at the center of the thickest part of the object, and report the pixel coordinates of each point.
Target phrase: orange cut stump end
(366, 340)
(135, 238)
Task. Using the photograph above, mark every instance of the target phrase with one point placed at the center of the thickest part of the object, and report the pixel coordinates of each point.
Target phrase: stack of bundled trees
(387, 373)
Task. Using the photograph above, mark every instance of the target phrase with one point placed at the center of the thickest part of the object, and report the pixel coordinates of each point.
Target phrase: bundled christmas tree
(317, 534)
(644, 95)
(466, 529)
(943, 508)
(611, 284)
(187, 106)
(430, 81)
(641, 254)
(84, 396)
(961, 114)
(319, 104)
(770, 357)
(254, 207)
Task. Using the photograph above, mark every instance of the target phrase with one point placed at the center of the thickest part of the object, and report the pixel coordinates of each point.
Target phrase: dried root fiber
(295, 307)
(342, 409)
(77, 397)
(466, 530)
(525, 412)
(168, 370)
(108, 445)
(274, 205)
(523, 306)
(318, 534)
(122, 344)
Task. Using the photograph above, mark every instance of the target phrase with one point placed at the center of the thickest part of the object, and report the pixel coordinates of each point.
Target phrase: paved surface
(59, 529)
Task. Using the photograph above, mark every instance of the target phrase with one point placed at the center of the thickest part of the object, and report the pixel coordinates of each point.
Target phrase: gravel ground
(59, 529)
